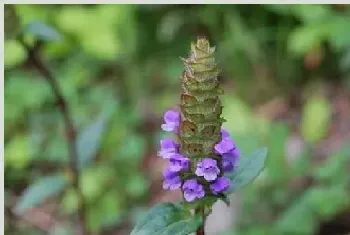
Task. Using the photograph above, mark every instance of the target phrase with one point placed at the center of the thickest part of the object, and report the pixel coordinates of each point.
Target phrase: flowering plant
(204, 161)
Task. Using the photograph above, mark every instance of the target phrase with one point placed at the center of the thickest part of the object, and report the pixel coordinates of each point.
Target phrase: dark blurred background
(287, 86)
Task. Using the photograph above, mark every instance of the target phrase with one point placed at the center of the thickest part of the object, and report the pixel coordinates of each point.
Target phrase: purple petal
(168, 143)
(210, 176)
(230, 160)
(168, 148)
(200, 193)
(208, 169)
(172, 183)
(192, 190)
(225, 134)
(172, 116)
(189, 196)
(208, 162)
(220, 185)
(169, 174)
(190, 184)
(234, 153)
(169, 127)
(199, 171)
(224, 146)
(178, 162)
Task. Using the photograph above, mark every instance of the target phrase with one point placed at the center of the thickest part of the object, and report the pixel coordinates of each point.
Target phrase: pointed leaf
(88, 142)
(250, 167)
(40, 190)
(43, 31)
(166, 218)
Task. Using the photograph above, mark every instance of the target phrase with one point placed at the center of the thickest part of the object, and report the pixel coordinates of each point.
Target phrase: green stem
(200, 211)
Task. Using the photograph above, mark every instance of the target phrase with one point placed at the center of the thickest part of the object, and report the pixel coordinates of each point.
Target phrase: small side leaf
(165, 218)
(43, 31)
(40, 190)
(250, 167)
(88, 142)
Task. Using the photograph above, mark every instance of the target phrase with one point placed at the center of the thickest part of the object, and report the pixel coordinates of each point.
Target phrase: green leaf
(182, 227)
(300, 214)
(40, 190)
(14, 55)
(43, 31)
(316, 118)
(306, 38)
(328, 201)
(88, 142)
(166, 218)
(249, 169)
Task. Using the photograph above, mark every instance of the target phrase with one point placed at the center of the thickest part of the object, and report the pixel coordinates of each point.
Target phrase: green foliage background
(118, 67)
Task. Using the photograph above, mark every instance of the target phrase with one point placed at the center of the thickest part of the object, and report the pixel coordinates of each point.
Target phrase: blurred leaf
(302, 165)
(306, 38)
(70, 201)
(40, 190)
(164, 219)
(105, 212)
(238, 115)
(43, 31)
(89, 141)
(339, 34)
(283, 9)
(17, 152)
(328, 201)
(335, 168)
(137, 185)
(315, 118)
(95, 180)
(300, 214)
(105, 47)
(249, 168)
(312, 13)
(132, 149)
(14, 54)
(11, 22)
(276, 164)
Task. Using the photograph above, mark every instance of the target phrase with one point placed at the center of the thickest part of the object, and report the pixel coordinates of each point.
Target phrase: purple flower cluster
(207, 168)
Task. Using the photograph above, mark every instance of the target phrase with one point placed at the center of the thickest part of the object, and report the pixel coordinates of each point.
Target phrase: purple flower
(208, 169)
(220, 185)
(178, 162)
(168, 147)
(192, 190)
(230, 160)
(225, 134)
(172, 121)
(172, 180)
(224, 146)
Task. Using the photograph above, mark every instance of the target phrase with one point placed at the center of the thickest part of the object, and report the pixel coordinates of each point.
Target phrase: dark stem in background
(200, 212)
(35, 59)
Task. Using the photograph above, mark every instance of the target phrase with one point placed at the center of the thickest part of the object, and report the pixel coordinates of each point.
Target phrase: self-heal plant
(204, 161)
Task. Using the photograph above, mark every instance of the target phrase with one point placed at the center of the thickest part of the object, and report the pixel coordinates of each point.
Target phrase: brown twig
(36, 61)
